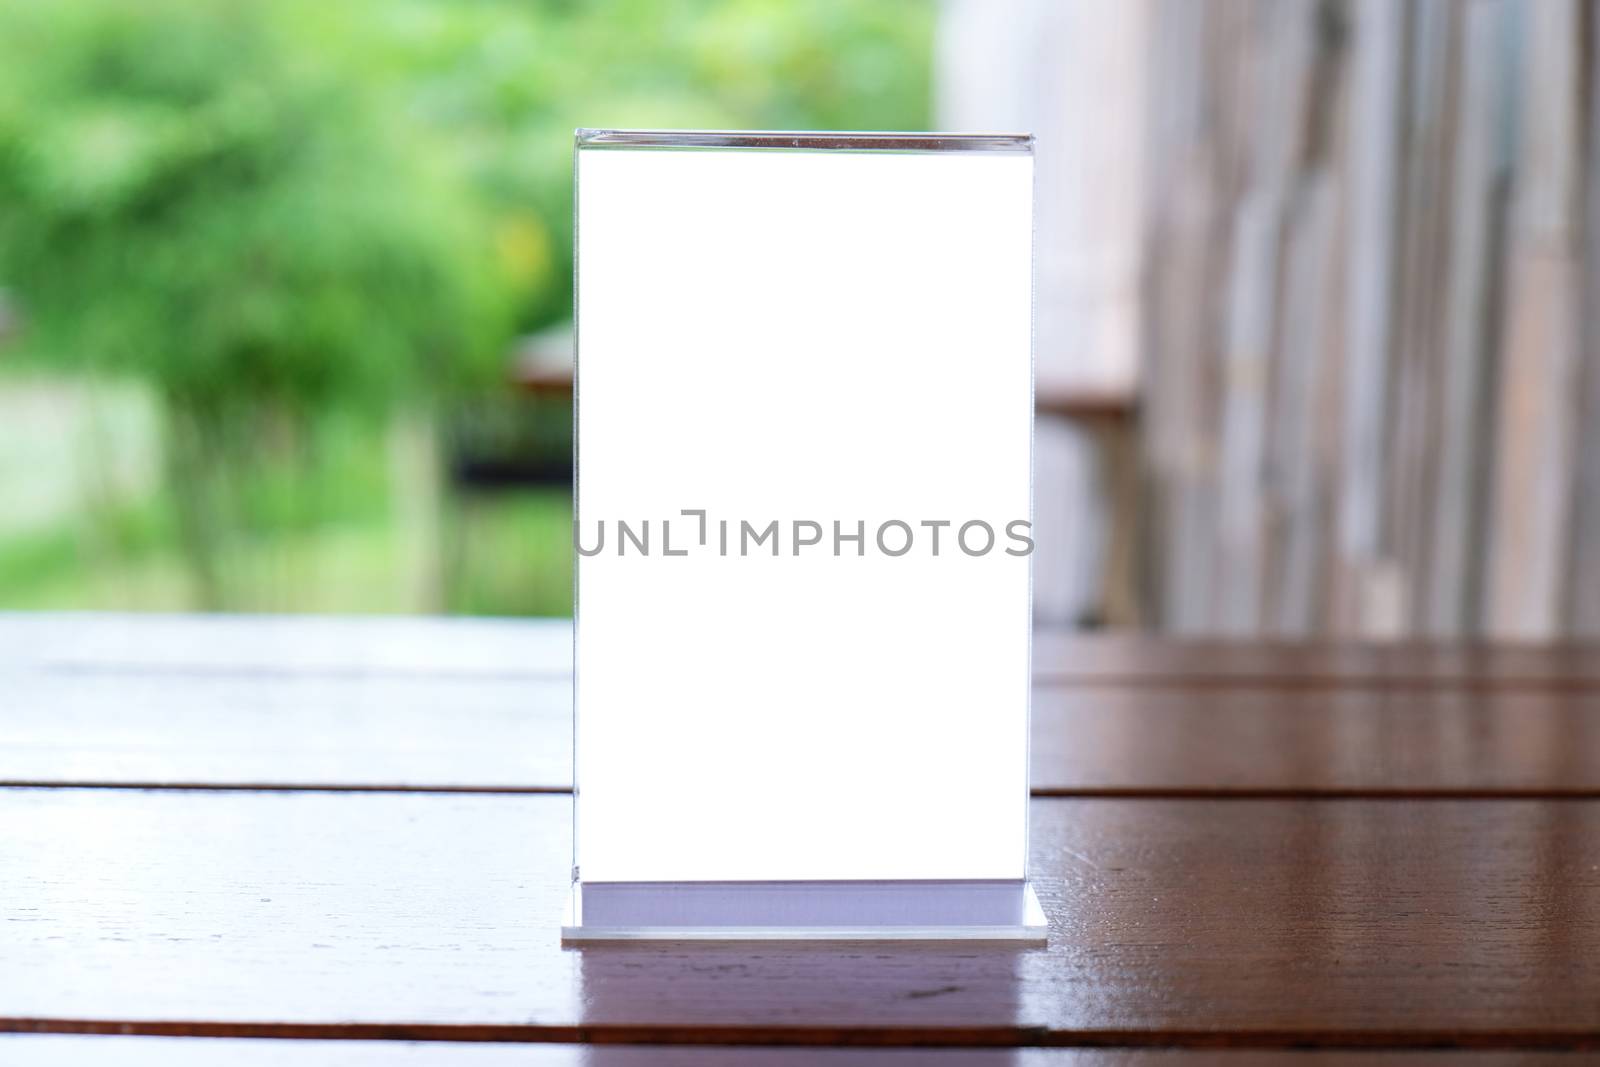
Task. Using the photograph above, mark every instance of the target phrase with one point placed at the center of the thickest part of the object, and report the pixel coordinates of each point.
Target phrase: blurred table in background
(355, 834)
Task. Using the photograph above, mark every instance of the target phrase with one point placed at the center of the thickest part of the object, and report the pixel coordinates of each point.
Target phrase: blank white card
(804, 395)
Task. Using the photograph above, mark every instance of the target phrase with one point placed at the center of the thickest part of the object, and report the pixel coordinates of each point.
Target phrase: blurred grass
(516, 555)
(337, 534)
(514, 562)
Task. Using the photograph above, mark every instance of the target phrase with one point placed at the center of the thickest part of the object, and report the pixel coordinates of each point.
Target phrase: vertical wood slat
(1297, 402)
(1253, 287)
(1305, 72)
(1466, 371)
(1532, 509)
(1181, 225)
(1256, 235)
(1583, 604)
(1432, 39)
(1364, 593)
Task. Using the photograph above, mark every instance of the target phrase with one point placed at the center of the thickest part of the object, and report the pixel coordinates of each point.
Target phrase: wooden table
(355, 834)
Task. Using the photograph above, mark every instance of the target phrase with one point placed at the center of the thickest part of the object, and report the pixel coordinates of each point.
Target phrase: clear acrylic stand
(1004, 910)
(804, 911)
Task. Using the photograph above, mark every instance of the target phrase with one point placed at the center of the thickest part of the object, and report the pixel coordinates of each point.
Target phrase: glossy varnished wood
(301, 729)
(286, 702)
(1274, 922)
(1243, 740)
(1065, 657)
(1188, 922)
(50, 1050)
(464, 731)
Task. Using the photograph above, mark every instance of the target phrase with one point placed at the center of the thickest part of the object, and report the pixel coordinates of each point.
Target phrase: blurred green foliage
(195, 199)
(276, 213)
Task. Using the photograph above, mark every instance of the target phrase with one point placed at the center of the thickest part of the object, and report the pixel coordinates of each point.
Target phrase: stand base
(1005, 911)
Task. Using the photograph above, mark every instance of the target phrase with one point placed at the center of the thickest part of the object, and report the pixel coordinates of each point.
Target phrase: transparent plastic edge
(805, 140)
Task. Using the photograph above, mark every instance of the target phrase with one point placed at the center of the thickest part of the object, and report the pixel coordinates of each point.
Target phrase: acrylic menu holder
(803, 405)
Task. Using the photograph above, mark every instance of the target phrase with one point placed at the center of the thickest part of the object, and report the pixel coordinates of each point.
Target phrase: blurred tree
(504, 83)
(191, 199)
(272, 211)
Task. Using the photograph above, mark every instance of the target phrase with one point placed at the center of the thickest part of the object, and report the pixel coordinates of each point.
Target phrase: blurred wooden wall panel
(1368, 350)
(1373, 400)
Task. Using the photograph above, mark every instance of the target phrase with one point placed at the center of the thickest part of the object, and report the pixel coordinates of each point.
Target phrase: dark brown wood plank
(1174, 922)
(433, 704)
(1395, 741)
(52, 1050)
(514, 734)
(1061, 657)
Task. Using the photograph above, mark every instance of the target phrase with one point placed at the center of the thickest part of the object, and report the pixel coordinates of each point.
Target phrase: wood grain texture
(174, 706)
(1330, 741)
(514, 735)
(1061, 657)
(50, 1050)
(1261, 923)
